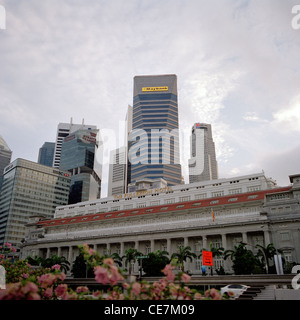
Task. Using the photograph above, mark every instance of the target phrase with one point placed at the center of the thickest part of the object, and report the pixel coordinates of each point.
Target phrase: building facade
(46, 154)
(29, 188)
(5, 158)
(153, 148)
(117, 172)
(258, 213)
(203, 163)
(63, 130)
(78, 156)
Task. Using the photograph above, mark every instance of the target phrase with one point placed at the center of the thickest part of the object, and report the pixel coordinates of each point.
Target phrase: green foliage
(155, 262)
(243, 260)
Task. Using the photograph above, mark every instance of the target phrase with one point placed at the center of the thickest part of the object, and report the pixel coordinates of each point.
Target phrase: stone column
(267, 237)
(204, 242)
(70, 255)
(187, 262)
(48, 253)
(224, 241)
(244, 237)
(169, 247)
(59, 251)
(136, 245)
(121, 249)
(108, 248)
(152, 245)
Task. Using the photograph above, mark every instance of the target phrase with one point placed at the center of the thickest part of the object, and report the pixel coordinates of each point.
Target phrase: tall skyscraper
(46, 154)
(117, 171)
(63, 130)
(29, 188)
(78, 156)
(203, 164)
(5, 155)
(5, 158)
(154, 140)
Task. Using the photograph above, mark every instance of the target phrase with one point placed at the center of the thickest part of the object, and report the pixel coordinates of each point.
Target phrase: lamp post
(266, 264)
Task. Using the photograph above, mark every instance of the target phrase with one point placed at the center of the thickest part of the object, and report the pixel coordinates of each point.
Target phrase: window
(184, 199)
(253, 188)
(285, 236)
(235, 191)
(168, 201)
(218, 194)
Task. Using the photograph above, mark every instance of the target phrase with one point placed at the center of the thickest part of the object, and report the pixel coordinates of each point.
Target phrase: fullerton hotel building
(216, 213)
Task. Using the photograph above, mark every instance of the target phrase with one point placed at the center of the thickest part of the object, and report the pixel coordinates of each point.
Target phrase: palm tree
(267, 253)
(182, 255)
(62, 261)
(130, 256)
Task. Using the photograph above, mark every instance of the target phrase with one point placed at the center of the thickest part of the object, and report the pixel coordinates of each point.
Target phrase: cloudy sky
(237, 63)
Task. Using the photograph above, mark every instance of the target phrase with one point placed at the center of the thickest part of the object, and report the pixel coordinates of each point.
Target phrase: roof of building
(203, 203)
(3, 144)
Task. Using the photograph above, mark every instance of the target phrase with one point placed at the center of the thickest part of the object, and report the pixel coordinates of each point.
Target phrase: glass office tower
(154, 140)
(29, 189)
(78, 157)
(46, 154)
(5, 158)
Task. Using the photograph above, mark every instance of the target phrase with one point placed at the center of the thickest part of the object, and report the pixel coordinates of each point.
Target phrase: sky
(237, 63)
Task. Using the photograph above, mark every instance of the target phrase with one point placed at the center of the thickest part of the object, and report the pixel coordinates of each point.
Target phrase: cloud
(289, 117)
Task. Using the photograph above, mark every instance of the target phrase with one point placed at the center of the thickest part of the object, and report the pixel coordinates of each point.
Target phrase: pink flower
(101, 275)
(108, 261)
(56, 267)
(82, 289)
(170, 276)
(185, 278)
(61, 290)
(136, 288)
(47, 280)
(48, 292)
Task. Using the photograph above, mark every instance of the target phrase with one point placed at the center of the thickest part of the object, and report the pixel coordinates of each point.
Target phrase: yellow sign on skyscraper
(147, 89)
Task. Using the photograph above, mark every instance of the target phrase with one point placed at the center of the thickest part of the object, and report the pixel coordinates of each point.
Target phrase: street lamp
(247, 244)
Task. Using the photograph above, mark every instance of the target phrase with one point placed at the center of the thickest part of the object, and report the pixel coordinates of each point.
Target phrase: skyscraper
(29, 188)
(5, 155)
(78, 156)
(46, 154)
(5, 158)
(63, 130)
(154, 140)
(203, 164)
(117, 171)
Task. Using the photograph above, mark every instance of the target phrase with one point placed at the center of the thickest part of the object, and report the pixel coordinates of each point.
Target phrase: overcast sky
(237, 63)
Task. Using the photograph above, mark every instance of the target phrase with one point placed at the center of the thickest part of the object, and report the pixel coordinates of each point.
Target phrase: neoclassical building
(221, 213)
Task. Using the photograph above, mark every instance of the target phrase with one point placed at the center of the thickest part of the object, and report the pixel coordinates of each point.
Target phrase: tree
(62, 261)
(182, 255)
(81, 269)
(269, 251)
(49, 262)
(244, 261)
(130, 256)
(155, 262)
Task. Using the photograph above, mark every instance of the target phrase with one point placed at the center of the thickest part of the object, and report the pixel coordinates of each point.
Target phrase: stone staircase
(267, 294)
(258, 293)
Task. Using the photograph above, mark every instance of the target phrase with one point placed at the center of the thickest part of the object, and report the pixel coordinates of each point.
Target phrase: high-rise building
(29, 189)
(203, 164)
(78, 156)
(5, 158)
(5, 155)
(154, 140)
(63, 130)
(46, 154)
(117, 171)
